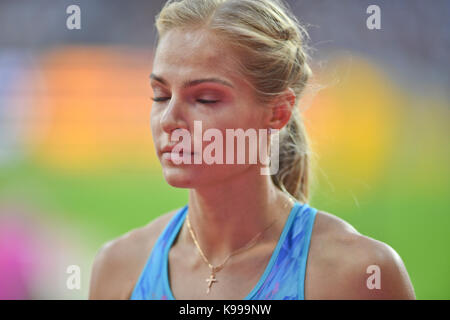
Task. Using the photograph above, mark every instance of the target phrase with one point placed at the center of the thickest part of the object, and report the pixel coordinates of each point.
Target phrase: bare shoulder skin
(336, 269)
(338, 260)
(119, 262)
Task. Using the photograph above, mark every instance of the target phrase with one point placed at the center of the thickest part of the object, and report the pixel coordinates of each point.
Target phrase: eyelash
(199, 100)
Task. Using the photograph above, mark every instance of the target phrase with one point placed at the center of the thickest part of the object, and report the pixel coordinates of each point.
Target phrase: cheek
(244, 115)
(230, 118)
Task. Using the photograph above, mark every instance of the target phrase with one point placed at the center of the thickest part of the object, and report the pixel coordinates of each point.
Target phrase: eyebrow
(192, 83)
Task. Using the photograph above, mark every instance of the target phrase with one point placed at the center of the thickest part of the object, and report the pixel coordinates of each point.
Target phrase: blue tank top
(283, 278)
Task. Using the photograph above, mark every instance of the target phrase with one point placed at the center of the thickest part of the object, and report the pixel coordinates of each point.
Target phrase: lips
(181, 153)
(168, 153)
(169, 150)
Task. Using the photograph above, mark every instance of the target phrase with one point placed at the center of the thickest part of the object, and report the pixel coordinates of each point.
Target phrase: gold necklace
(214, 269)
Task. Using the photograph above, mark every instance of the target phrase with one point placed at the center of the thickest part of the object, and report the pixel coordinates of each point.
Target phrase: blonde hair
(268, 33)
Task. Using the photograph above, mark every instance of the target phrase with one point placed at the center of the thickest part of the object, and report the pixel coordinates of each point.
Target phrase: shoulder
(119, 262)
(344, 264)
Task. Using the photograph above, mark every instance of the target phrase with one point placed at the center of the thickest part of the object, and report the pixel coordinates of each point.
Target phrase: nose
(173, 117)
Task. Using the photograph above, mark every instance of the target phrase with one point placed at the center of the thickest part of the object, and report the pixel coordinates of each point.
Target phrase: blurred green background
(78, 168)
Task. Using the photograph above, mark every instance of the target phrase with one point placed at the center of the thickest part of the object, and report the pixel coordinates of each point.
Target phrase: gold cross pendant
(210, 281)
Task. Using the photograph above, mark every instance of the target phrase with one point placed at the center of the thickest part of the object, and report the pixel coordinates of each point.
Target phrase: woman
(242, 235)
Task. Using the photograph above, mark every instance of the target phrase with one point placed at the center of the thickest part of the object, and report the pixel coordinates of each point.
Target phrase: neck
(226, 216)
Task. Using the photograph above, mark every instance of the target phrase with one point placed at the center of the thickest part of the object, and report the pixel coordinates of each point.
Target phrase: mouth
(169, 155)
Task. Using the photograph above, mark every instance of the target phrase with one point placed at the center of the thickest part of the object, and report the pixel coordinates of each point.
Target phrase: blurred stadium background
(78, 168)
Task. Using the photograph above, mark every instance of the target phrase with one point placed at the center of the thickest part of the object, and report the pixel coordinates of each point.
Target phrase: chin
(196, 176)
(180, 178)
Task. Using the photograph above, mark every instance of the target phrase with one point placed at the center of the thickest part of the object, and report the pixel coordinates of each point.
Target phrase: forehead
(185, 54)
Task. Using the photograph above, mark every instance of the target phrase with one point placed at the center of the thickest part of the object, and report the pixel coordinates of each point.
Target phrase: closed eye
(207, 101)
(160, 99)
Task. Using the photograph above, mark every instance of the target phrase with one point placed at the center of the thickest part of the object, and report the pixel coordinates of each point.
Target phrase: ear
(281, 109)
